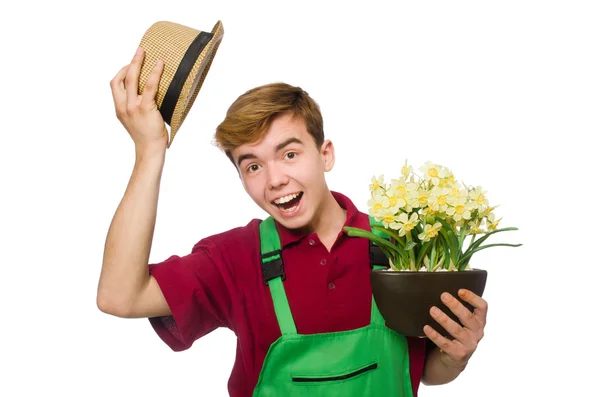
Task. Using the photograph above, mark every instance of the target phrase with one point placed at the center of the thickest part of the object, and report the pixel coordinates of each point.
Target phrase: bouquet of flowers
(423, 223)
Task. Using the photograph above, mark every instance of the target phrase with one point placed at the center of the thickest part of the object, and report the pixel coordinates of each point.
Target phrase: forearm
(438, 371)
(127, 248)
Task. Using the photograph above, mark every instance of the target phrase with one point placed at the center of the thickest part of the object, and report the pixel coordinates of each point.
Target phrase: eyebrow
(280, 146)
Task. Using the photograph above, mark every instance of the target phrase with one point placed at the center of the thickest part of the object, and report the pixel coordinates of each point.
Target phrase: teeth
(287, 198)
(290, 210)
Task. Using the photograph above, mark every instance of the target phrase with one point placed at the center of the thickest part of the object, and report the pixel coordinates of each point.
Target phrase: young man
(308, 326)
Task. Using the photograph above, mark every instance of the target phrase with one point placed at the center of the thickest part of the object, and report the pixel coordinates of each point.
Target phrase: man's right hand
(139, 114)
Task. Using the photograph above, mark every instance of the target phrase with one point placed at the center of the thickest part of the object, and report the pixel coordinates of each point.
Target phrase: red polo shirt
(219, 284)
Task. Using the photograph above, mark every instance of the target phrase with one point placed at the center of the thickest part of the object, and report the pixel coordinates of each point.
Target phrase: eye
(290, 155)
(252, 168)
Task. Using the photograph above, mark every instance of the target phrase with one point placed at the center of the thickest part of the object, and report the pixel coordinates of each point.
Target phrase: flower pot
(405, 298)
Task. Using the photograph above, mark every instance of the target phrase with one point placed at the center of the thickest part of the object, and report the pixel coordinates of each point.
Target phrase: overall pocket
(333, 378)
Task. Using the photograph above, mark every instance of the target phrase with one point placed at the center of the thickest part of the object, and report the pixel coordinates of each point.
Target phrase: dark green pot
(405, 298)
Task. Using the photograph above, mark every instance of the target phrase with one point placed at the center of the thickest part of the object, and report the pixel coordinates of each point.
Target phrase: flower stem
(411, 252)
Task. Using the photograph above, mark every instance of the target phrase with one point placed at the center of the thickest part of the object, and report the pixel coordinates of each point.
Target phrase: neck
(329, 220)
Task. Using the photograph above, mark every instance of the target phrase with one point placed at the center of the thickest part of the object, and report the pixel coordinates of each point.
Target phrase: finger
(480, 304)
(133, 75)
(118, 89)
(445, 344)
(457, 354)
(457, 331)
(149, 95)
(466, 317)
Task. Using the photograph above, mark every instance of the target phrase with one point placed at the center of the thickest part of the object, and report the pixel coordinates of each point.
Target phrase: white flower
(479, 198)
(459, 208)
(377, 184)
(377, 205)
(430, 231)
(406, 169)
(438, 199)
(404, 224)
(389, 218)
(434, 172)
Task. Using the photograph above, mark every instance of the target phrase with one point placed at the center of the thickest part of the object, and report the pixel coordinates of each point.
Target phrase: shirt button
(323, 261)
(311, 241)
(331, 286)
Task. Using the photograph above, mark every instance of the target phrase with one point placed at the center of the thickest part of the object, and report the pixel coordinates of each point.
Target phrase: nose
(276, 177)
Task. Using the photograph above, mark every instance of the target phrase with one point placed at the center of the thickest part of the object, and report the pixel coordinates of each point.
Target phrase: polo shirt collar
(288, 236)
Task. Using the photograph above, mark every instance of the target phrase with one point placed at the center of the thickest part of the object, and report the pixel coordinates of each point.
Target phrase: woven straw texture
(169, 41)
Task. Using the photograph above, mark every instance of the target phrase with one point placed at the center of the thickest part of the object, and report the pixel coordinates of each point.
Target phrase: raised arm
(125, 288)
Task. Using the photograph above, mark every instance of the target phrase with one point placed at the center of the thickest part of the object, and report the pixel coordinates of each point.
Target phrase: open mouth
(288, 203)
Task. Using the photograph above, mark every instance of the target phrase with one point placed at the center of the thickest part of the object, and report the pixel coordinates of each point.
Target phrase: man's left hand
(456, 353)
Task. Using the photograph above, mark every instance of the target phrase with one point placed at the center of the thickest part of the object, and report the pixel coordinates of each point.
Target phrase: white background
(506, 94)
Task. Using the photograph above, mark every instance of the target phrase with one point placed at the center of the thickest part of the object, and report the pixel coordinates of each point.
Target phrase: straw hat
(187, 54)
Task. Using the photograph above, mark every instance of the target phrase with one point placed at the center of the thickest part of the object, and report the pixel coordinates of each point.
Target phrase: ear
(328, 155)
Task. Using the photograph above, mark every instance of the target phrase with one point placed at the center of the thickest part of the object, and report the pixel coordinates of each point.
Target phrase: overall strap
(376, 317)
(378, 261)
(273, 274)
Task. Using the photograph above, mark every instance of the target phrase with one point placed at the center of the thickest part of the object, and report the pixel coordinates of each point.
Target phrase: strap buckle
(377, 257)
(272, 268)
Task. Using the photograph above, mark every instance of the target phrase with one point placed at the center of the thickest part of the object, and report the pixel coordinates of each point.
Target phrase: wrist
(452, 364)
(150, 152)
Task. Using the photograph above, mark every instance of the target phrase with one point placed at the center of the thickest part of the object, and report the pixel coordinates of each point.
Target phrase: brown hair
(252, 113)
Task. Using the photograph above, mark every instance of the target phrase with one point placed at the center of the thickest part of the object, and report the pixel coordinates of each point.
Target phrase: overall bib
(368, 361)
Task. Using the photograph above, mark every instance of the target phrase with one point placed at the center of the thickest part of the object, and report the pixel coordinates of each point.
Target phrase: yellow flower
(377, 205)
(486, 212)
(422, 198)
(404, 224)
(415, 205)
(411, 197)
(406, 169)
(475, 227)
(377, 184)
(398, 187)
(448, 181)
(438, 199)
(491, 221)
(429, 211)
(434, 172)
(478, 196)
(389, 218)
(406, 191)
(430, 231)
(492, 226)
(459, 208)
(456, 192)
(395, 202)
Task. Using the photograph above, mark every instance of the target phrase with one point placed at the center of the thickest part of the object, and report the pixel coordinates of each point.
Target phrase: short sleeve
(199, 289)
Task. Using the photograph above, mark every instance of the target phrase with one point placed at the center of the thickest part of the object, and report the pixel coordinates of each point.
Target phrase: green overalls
(369, 361)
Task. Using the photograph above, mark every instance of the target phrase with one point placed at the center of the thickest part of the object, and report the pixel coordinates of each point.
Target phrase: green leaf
(381, 242)
(390, 233)
(452, 244)
(450, 235)
(373, 222)
(461, 239)
(422, 252)
(445, 250)
(410, 245)
(464, 260)
(433, 257)
(446, 260)
(481, 239)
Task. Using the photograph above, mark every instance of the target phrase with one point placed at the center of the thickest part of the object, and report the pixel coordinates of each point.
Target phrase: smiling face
(284, 172)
